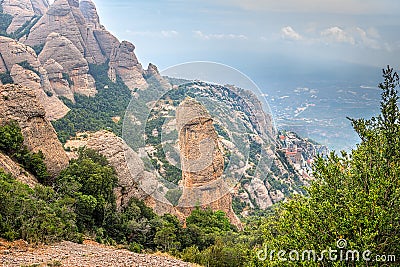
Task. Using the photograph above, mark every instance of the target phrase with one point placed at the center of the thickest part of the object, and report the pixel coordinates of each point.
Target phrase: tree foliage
(12, 144)
(355, 197)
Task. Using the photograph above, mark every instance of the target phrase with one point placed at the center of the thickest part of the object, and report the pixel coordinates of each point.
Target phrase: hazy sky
(257, 37)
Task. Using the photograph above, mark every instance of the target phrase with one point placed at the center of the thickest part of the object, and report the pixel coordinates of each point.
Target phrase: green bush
(11, 143)
(6, 78)
(95, 113)
(36, 215)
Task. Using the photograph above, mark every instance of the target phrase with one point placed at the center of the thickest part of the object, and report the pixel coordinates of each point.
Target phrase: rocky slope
(23, 11)
(202, 162)
(123, 62)
(89, 254)
(133, 180)
(21, 62)
(68, 36)
(20, 104)
(10, 166)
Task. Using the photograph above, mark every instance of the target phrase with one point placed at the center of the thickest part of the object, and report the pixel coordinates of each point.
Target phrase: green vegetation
(5, 21)
(37, 215)
(95, 113)
(66, 77)
(25, 64)
(11, 144)
(38, 48)
(355, 197)
(6, 78)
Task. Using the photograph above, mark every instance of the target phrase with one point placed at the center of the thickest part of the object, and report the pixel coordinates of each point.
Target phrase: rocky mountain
(62, 52)
(20, 104)
(202, 162)
(133, 179)
(67, 37)
(23, 11)
(21, 64)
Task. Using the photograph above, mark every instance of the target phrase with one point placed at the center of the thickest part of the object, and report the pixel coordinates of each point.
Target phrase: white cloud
(367, 39)
(288, 33)
(317, 6)
(336, 34)
(219, 36)
(155, 34)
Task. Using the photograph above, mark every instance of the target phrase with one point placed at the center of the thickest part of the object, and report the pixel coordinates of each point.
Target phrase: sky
(301, 36)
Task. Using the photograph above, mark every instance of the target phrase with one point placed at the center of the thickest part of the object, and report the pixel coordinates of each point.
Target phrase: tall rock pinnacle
(202, 162)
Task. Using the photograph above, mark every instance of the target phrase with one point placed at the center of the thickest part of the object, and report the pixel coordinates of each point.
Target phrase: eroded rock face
(153, 77)
(89, 12)
(63, 51)
(65, 18)
(133, 180)
(9, 166)
(123, 62)
(14, 53)
(57, 80)
(55, 108)
(23, 11)
(202, 162)
(259, 193)
(20, 104)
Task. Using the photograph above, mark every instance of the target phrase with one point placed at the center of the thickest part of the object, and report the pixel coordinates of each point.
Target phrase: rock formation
(23, 11)
(153, 76)
(65, 18)
(9, 166)
(57, 79)
(133, 180)
(202, 162)
(20, 104)
(64, 52)
(123, 62)
(13, 53)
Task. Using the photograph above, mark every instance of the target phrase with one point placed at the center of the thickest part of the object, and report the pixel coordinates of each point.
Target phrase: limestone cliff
(153, 76)
(20, 104)
(133, 180)
(64, 52)
(12, 56)
(23, 11)
(65, 18)
(123, 62)
(202, 162)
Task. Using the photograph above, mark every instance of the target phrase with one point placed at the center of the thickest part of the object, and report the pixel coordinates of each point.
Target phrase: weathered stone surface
(106, 41)
(153, 76)
(54, 107)
(58, 83)
(13, 52)
(89, 12)
(259, 193)
(65, 18)
(202, 162)
(9, 166)
(63, 51)
(133, 180)
(123, 62)
(23, 11)
(20, 104)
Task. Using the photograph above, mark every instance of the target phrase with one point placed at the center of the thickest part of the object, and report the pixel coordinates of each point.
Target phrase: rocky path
(89, 254)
